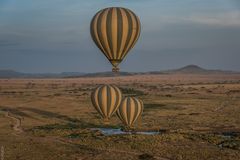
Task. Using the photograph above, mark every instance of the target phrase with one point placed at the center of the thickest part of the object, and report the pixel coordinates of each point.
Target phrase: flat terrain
(198, 117)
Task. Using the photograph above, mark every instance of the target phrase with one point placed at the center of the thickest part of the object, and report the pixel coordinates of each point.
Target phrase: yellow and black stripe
(106, 100)
(129, 111)
(115, 31)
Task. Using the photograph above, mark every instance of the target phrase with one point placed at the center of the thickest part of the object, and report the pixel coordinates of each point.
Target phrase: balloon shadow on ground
(15, 111)
(157, 106)
(72, 123)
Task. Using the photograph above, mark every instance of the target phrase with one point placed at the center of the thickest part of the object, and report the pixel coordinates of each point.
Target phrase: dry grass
(197, 114)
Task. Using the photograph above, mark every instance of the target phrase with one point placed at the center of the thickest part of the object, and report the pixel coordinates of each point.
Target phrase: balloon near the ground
(130, 110)
(106, 100)
(115, 31)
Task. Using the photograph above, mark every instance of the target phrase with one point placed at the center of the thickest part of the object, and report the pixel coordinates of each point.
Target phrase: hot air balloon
(129, 111)
(115, 31)
(106, 100)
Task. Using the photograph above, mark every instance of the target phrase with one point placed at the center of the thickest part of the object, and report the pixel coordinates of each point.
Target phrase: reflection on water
(111, 131)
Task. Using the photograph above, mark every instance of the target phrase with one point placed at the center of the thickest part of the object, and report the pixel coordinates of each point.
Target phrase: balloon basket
(128, 129)
(106, 121)
(115, 69)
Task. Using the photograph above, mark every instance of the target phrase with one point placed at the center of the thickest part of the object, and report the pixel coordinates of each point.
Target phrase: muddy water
(118, 131)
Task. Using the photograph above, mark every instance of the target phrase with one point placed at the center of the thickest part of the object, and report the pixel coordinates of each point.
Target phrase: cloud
(229, 19)
(5, 43)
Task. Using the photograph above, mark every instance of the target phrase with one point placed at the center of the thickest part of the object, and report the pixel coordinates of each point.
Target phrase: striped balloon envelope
(115, 31)
(129, 111)
(106, 100)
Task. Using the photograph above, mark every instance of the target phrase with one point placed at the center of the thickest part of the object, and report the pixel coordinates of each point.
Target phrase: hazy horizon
(169, 69)
(52, 36)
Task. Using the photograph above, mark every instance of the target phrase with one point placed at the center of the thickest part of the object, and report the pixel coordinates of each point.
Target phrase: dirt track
(17, 122)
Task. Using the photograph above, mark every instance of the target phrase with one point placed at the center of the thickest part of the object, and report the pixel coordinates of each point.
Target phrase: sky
(39, 36)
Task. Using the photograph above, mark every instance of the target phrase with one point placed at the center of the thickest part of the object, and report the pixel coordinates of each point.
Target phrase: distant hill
(14, 74)
(10, 73)
(190, 69)
(194, 69)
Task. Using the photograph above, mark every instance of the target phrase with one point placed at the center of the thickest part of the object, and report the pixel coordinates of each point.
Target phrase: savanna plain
(197, 117)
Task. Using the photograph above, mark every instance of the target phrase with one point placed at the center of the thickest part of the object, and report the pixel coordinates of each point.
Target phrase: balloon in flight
(129, 111)
(115, 31)
(106, 100)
